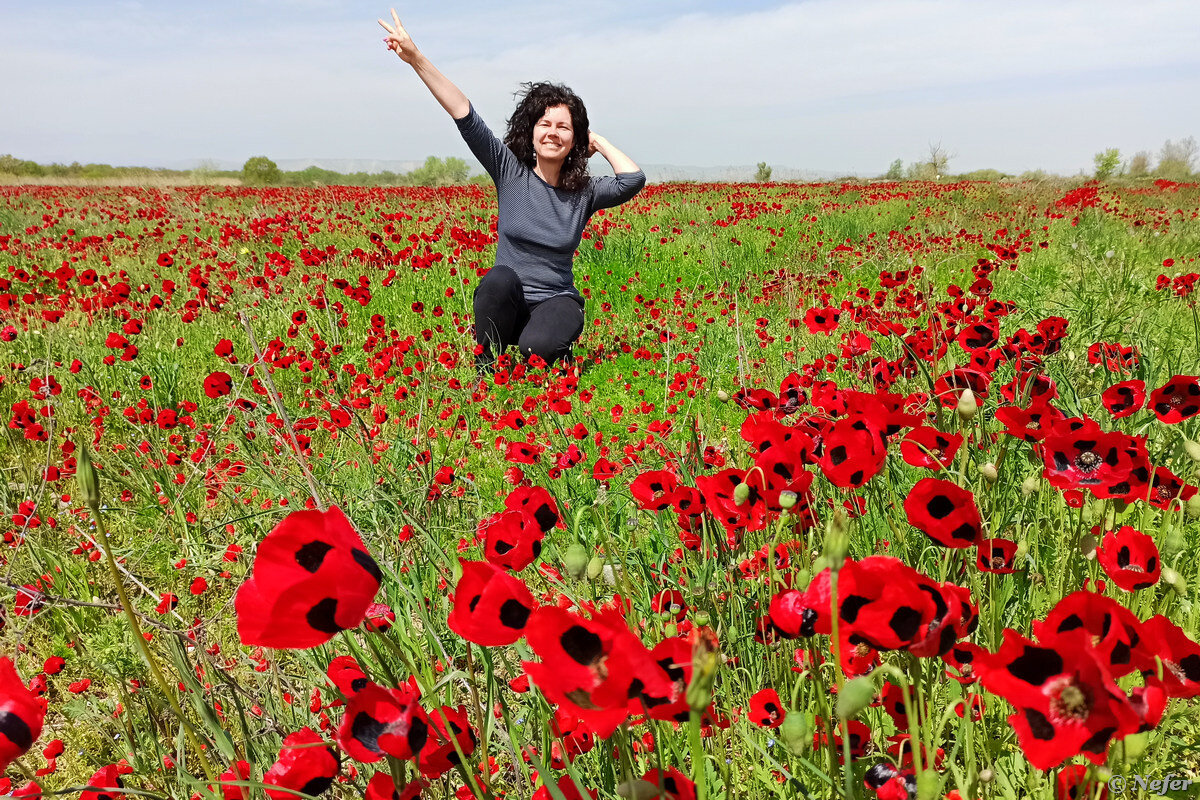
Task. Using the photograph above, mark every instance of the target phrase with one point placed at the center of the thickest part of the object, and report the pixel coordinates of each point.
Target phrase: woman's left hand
(593, 143)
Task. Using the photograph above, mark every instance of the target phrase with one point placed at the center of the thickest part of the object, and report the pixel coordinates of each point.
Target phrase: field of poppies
(852, 490)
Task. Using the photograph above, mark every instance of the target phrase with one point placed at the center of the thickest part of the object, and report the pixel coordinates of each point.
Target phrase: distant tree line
(257, 171)
(1177, 161)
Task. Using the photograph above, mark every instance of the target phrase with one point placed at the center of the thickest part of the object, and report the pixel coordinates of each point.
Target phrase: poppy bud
(968, 406)
(1029, 485)
(1172, 542)
(1135, 745)
(837, 540)
(1192, 449)
(85, 474)
(1173, 579)
(741, 493)
(1087, 545)
(723, 395)
(796, 733)
(787, 499)
(576, 560)
(1192, 506)
(986, 776)
(854, 696)
(594, 567)
(989, 472)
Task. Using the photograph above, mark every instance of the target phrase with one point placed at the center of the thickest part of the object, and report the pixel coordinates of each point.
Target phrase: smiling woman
(544, 200)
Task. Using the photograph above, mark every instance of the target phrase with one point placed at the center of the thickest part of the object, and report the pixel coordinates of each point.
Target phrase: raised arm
(619, 161)
(450, 96)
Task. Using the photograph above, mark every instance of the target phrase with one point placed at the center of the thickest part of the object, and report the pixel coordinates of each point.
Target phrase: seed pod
(595, 567)
(85, 475)
(787, 499)
(576, 560)
(968, 406)
(837, 540)
(796, 733)
(856, 695)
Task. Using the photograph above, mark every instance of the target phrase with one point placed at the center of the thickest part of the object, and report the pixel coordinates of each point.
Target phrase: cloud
(824, 84)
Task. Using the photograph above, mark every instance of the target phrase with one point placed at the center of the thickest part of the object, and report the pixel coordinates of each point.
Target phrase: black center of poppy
(367, 730)
(582, 645)
(312, 555)
(16, 730)
(513, 614)
(317, 786)
(940, 506)
(1036, 665)
(320, 616)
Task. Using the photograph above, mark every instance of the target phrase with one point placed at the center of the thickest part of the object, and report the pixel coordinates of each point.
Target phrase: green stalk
(151, 661)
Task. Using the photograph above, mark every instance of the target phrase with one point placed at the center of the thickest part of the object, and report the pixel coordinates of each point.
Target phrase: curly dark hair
(534, 99)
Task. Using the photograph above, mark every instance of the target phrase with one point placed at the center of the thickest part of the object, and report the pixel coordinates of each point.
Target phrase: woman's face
(553, 135)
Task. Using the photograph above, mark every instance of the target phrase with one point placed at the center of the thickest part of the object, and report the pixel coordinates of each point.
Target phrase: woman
(544, 199)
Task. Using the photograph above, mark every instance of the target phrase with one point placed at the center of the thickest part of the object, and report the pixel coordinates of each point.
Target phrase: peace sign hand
(398, 40)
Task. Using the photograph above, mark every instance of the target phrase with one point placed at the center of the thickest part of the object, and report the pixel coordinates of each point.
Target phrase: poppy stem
(151, 661)
(278, 403)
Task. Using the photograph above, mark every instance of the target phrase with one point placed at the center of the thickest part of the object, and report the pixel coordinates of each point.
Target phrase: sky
(842, 86)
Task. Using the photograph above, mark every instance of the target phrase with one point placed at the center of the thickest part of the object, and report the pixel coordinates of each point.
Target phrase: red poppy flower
(1076, 453)
(345, 673)
(304, 765)
(1115, 631)
(103, 780)
(881, 603)
(383, 787)
(447, 726)
(928, 447)
(566, 785)
(1125, 398)
(996, 555)
(522, 453)
(672, 783)
(538, 502)
(1066, 701)
(312, 577)
(491, 607)
(652, 490)
(766, 711)
(1166, 488)
(944, 512)
(1072, 784)
(1180, 656)
(1130, 558)
(381, 722)
(218, 384)
(513, 539)
(595, 667)
(949, 386)
(1032, 423)
(721, 499)
(21, 715)
(239, 771)
(670, 602)
(1177, 399)
(852, 453)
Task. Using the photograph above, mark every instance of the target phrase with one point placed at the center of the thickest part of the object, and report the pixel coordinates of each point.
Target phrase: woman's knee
(499, 283)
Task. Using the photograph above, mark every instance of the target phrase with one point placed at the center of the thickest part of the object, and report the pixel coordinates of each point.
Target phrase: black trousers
(503, 317)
